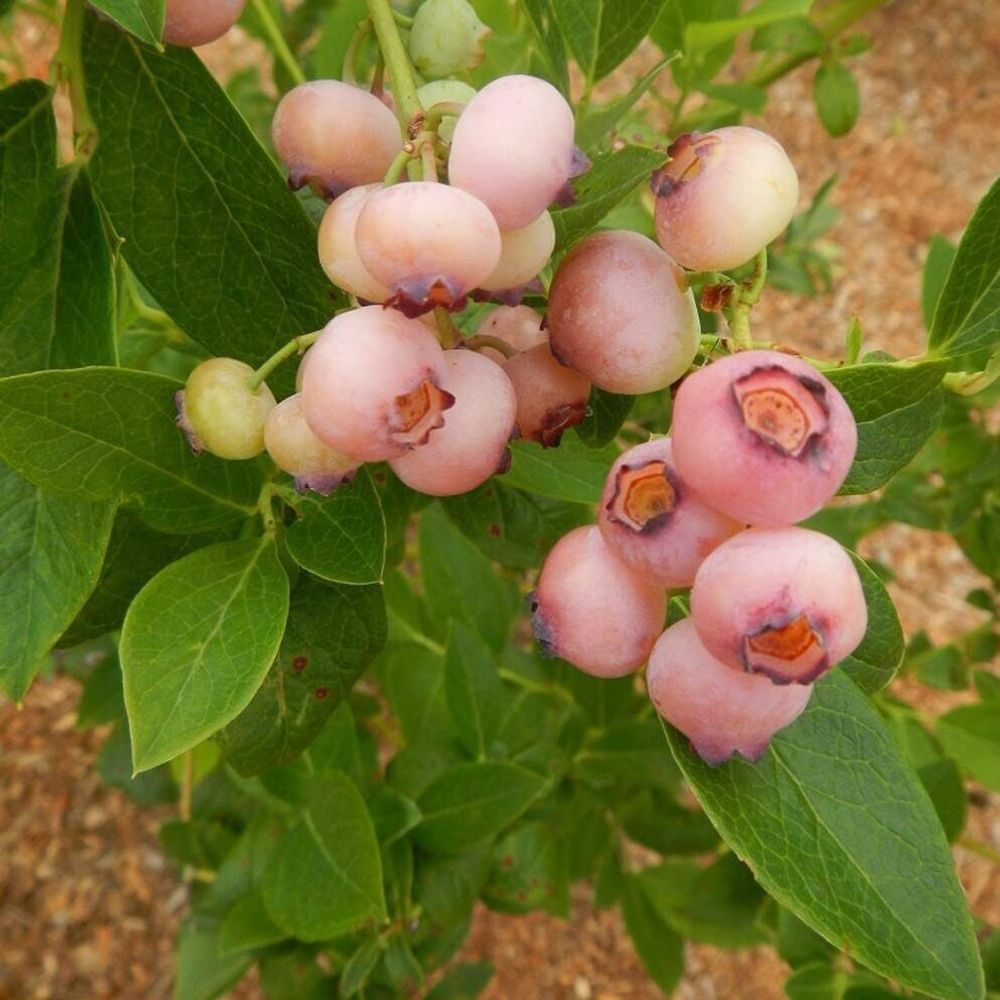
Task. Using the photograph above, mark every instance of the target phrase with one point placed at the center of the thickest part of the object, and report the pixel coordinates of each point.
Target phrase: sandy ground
(88, 904)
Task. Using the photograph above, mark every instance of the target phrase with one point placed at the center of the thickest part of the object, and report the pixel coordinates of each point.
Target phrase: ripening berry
(513, 149)
(430, 244)
(723, 197)
(447, 38)
(334, 136)
(783, 602)
(190, 23)
(592, 610)
(653, 521)
(551, 398)
(472, 444)
(620, 312)
(524, 253)
(220, 413)
(720, 711)
(440, 92)
(338, 253)
(295, 449)
(372, 387)
(763, 437)
(519, 326)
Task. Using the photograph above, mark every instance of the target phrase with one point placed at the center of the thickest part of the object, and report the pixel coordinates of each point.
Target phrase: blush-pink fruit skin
(724, 196)
(190, 23)
(592, 610)
(620, 312)
(720, 711)
(362, 369)
(783, 602)
(472, 444)
(513, 148)
(740, 469)
(428, 243)
(524, 253)
(295, 449)
(551, 398)
(653, 521)
(519, 326)
(334, 136)
(338, 252)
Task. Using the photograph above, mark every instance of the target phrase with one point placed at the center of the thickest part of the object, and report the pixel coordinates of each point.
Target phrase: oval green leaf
(197, 642)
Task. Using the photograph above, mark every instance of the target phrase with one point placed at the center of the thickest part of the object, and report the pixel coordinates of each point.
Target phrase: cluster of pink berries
(759, 441)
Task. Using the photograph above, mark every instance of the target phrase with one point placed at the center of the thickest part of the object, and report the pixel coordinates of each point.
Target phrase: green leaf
(606, 412)
(359, 967)
(967, 318)
(602, 33)
(114, 765)
(51, 551)
(661, 824)
(143, 18)
(101, 699)
(472, 688)
(510, 526)
(940, 257)
(595, 121)
(874, 663)
(210, 228)
(109, 434)
(570, 472)
(463, 982)
(414, 682)
(658, 945)
(56, 285)
(819, 981)
(699, 36)
(247, 926)
(837, 98)
(717, 905)
(943, 782)
(134, 556)
(835, 826)
(549, 42)
(197, 642)
(971, 734)
(460, 581)
(625, 754)
(529, 872)
(471, 803)
(342, 537)
(897, 409)
(332, 634)
(612, 177)
(325, 878)
(202, 973)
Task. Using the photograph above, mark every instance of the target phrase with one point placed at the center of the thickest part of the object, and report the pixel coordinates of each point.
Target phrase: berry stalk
(68, 66)
(296, 345)
(397, 64)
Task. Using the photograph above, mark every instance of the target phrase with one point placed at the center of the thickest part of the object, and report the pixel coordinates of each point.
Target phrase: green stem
(397, 64)
(348, 72)
(448, 334)
(745, 298)
(708, 278)
(278, 44)
(535, 687)
(403, 20)
(68, 63)
(295, 346)
(398, 166)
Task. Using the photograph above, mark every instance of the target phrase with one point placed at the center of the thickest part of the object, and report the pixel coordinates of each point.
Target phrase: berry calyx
(551, 398)
(472, 444)
(653, 521)
(372, 388)
(721, 712)
(786, 603)
(782, 437)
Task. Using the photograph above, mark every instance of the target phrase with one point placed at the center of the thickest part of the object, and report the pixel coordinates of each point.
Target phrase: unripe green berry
(219, 411)
(447, 37)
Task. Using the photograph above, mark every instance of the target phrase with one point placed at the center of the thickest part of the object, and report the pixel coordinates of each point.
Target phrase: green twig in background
(278, 44)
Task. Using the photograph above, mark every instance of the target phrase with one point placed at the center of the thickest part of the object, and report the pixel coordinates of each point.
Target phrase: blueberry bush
(393, 456)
